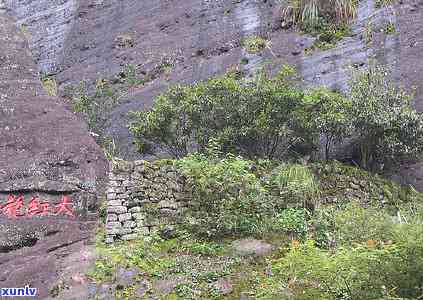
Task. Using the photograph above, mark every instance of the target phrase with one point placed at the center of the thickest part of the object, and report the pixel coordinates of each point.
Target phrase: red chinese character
(45, 209)
(64, 207)
(13, 207)
(34, 207)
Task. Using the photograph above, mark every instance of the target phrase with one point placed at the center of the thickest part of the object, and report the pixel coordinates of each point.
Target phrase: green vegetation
(248, 151)
(367, 244)
(271, 118)
(376, 257)
(330, 35)
(312, 14)
(382, 3)
(229, 199)
(389, 28)
(293, 222)
(328, 21)
(255, 44)
(96, 102)
(368, 33)
(95, 107)
(200, 263)
(383, 117)
(50, 86)
(259, 118)
(295, 183)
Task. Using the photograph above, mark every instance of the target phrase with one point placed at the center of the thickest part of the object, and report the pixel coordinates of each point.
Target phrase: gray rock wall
(143, 197)
(45, 150)
(79, 40)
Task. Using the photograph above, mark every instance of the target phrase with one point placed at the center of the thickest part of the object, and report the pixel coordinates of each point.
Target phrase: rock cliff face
(47, 153)
(195, 39)
(43, 147)
(46, 150)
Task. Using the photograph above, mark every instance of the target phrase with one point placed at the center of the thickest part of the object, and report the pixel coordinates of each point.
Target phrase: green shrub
(356, 224)
(387, 127)
(329, 35)
(382, 3)
(95, 107)
(50, 86)
(255, 118)
(322, 227)
(293, 222)
(330, 116)
(296, 184)
(228, 198)
(370, 271)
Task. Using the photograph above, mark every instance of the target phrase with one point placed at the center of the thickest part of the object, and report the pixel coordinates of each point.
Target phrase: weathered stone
(114, 203)
(124, 195)
(125, 217)
(122, 166)
(224, 286)
(115, 183)
(168, 212)
(111, 196)
(117, 177)
(118, 190)
(116, 209)
(113, 231)
(135, 209)
(111, 218)
(142, 289)
(109, 239)
(138, 163)
(127, 183)
(168, 232)
(167, 204)
(111, 190)
(253, 247)
(114, 224)
(123, 231)
(142, 230)
(128, 237)
(166, 286)
(138, 216)
(130, 224)
(126, 277)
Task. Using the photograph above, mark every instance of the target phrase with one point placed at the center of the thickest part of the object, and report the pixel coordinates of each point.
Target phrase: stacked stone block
(144, 197)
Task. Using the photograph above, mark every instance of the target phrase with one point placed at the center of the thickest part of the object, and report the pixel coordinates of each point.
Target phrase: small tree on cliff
(388, 129)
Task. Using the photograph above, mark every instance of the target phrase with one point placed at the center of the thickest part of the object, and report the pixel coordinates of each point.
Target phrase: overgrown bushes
(258, 118)
(228, 198)
(386, 125)
(231, 198)
(376, 256)
(272, 118)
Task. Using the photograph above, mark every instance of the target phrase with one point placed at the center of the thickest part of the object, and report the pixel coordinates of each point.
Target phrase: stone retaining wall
(142, 198)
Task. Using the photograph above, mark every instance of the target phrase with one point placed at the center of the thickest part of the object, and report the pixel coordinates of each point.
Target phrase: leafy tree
(387, 126)
(329, 114)
(255, 118)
